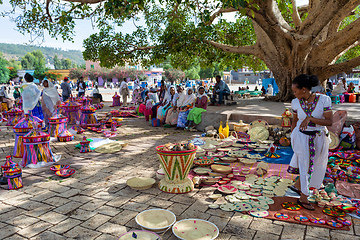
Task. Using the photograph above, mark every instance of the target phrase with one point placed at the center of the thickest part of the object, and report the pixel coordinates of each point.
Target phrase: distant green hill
(16, 51)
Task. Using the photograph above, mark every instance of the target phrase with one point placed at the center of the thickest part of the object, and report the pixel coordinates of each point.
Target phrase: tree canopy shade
(288, 39)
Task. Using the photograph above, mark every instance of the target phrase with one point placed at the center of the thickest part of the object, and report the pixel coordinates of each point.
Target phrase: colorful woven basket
(65, 136)
(13, 116)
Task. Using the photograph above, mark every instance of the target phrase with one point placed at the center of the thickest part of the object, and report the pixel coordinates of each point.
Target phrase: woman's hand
(305, 123)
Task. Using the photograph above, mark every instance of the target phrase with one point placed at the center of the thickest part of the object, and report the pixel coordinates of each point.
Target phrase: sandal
(307, 205)
(293, 188)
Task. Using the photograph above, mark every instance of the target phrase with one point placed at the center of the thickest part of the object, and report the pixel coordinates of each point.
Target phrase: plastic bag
(348, 137)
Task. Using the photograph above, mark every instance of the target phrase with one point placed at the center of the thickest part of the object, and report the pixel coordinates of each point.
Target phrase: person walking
(31, 97)
(124, 91)
(65, 87)
(81, 87)
(309, 137)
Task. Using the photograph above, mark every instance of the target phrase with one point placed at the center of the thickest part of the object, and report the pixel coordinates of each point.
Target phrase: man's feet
(218, 104)
(211, 104)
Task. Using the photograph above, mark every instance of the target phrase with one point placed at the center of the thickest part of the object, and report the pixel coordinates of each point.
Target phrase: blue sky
(83, 29)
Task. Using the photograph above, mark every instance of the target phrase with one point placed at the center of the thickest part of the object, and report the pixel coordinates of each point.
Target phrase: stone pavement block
(134, 206)
(113, 229)
(91, 191)
(30, 205)
(160, 203)
(164, 195)
(39, 211)
(22, 221)
(7, 231)
(193, 214)
(123, 217)
(265, 225)
(15, 237)
(75, 184)
(34, 229)
(240, 220)
(295, 232)
(42, 196)
(48, 235)
(69, 193)
(107, 210)
(106, 196)
(65, 225)
(92, 205)
(219, 222)
(2, 225)
(57, 201)
(81, 198)
(119, 201)
(357, 229)
(317, 232)
(95, 221)
(68, 207)
(180, 198)
(82, 233)
(177, 208)
(6, 208)
(132, 224)
(81, 214)
(128, 192)
(350, 232)
(242, 233)
(22, 197)
(143, 197)
(220, 213)
(342, 236)
(33, 190)
(200, 205)
(8, 195)
(265, 236)
(6, 216)
(53, 217)
(105, 236)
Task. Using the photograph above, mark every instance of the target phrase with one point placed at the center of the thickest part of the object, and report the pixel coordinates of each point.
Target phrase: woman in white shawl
(173, 114)
(31, 97)
(270, 90)
(50, 100)
(169, 98)
(4, 98)
(185, 108)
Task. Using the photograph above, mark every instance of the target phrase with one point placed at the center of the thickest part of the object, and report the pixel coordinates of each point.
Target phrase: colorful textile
(182, 119)
(195, 115)
(37, 111)
(172, 117)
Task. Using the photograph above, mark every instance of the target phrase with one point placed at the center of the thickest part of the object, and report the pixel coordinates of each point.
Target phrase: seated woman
(170, 98)
(5, 100)
(50, 100)
(185, 108)
(16, 93)
(194, 116)
(173, 114)
(96, 93)
(351, 88)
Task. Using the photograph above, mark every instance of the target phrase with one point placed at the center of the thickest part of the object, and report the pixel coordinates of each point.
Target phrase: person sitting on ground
(220, 88)
(185, 108)
(173, 113)
(351, 88)
(96, 93)
(263, 91)
(194, 116)
(66, 90)
(256, 88)
(340, 88)
(5, 99)
(16, 93)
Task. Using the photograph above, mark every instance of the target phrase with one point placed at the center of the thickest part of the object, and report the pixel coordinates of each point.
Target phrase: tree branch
(341, 15)
(135, 49)
(339, 42)
(220, 11)
(341, 67)
(86, 1)
(295, 14)
(48, 11)
(249, 50)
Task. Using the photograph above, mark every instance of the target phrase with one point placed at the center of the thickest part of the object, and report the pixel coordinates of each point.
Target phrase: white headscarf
(51, 92)
(201, 95)
(30, 96)
(189, 99)
(181, 98)
(136, 84)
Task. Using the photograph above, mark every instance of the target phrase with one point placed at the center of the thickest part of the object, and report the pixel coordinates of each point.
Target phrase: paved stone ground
(95, 203)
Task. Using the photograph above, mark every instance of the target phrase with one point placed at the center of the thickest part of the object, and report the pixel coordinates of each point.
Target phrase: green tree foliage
(4, 71)
(57, 62)
(66, 63)
(34, 61)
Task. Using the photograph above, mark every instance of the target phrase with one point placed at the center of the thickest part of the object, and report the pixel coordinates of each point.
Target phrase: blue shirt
(222, 86)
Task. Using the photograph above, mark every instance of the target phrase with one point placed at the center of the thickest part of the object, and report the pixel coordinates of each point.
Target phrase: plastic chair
(342, 98)
(335, 99)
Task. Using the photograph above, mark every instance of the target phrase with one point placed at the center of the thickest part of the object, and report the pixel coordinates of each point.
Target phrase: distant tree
(12, 73)
(34, 61)
(76, 73)
(15, 64)
(52, 75)
(167, 66)
(82, 66)
(66, 63)
(28, 61)
(4, 71)
(57, 62)
(193, 73)
(206, 73)
(174, 74)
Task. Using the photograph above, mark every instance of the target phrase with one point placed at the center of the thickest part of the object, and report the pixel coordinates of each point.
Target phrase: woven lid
(65, 133)
(36, 135)
(335, 141)
(15, 111)
(9, 163)
(28, 122)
